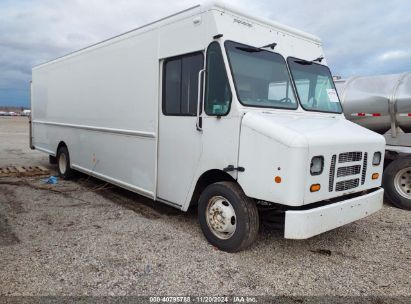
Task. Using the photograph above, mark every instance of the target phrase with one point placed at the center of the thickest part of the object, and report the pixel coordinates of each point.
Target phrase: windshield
(315, 86)
(261, 77)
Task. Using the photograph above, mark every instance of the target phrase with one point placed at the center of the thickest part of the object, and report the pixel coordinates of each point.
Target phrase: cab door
(180, 145)
(221, 120)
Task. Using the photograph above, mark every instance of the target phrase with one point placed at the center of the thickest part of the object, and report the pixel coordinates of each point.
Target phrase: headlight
(317, 165)
(376, 160)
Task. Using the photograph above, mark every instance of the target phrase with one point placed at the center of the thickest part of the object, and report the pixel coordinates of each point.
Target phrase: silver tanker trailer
(383, 104)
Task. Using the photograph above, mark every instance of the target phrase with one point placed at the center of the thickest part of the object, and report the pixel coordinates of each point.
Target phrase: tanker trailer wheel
(63, 163)
(228, 218)
(397, 182)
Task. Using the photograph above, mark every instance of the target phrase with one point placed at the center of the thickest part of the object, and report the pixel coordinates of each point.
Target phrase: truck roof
(192, 11)
(279, 26)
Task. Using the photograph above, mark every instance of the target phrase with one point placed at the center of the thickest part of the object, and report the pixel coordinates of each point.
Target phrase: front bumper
(307, 223)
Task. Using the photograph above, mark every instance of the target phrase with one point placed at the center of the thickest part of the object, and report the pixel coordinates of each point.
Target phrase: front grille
(349, 157)
(347, 184)
(342, 167)
(332, 173)
(347, 171)
(364, 168)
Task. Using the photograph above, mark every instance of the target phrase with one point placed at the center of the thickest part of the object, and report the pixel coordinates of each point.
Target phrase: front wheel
(228, 218)
(397, 182)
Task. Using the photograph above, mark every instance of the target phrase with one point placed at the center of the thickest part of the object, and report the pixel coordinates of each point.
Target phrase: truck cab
(271, 118)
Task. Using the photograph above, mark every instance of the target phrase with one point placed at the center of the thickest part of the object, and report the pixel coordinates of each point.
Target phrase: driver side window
(218, 94)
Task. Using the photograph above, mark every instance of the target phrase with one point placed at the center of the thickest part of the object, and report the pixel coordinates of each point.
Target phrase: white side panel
(98, 103)
(106, 87)
(123, 158)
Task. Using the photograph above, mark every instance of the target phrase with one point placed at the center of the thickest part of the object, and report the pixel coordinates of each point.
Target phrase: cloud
(359, 37)
(395, 55)
(354, 33)
(32, 32)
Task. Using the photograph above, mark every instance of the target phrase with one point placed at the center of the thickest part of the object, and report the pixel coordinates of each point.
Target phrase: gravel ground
(95, 239)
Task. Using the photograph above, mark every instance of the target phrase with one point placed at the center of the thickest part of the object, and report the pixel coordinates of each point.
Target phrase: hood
(305, 130)
(283, 144)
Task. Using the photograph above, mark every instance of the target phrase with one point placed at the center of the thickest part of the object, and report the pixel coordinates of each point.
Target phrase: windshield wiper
(252, 49)
(319, 59)
(306, 62)
(271, 46)
(303, 62)
(249, 49)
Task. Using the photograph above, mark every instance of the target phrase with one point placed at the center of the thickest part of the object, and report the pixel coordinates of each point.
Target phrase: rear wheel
(397, 182)
(228, 218)
(63, 163)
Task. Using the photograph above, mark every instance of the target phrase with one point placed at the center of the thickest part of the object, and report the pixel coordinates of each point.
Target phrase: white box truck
(215, 108)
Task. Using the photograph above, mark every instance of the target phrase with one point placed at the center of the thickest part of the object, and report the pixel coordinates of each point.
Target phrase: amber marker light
(315, 187)
(277, 179)
(375, 175)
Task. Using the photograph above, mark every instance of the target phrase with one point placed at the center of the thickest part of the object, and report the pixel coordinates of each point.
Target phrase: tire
(52, 160)
(63, 163)
(397, 182)
(227, 198)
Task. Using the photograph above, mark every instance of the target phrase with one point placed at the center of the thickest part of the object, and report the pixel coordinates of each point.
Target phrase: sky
(360, 37)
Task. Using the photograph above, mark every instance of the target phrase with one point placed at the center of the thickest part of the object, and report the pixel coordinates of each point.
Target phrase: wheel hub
(62, 163)
(402, 182)
(221, 217)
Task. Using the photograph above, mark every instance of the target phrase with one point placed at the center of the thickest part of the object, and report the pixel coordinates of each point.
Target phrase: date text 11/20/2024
(234, 299)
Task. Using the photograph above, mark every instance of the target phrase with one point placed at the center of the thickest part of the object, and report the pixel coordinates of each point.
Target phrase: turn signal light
(315, 187)
(277, 179)
(375, 176)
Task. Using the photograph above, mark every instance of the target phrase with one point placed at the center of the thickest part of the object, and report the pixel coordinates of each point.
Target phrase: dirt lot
(84, 237)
